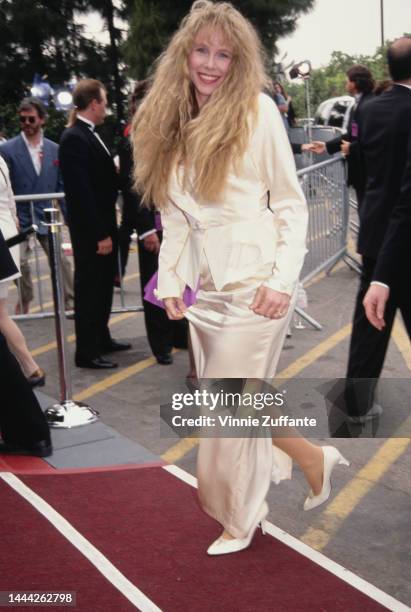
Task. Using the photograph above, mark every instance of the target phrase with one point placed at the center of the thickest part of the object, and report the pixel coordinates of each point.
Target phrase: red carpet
(20, 463)
(149, 525)
(36, 557)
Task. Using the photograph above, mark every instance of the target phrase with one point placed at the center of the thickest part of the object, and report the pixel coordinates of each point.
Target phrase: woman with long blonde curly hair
(212, 153)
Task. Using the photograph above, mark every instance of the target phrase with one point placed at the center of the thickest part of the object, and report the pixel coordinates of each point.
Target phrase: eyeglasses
(30, 119)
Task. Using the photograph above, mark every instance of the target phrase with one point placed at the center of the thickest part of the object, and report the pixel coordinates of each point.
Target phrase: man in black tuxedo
(384, 235)
(360, 84)
(91, 187)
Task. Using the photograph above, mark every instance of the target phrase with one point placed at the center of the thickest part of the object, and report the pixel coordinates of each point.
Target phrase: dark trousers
(359, 194)
(368, 346)
(124, 239)
(22, 421)
(128, 223)
(162, 334)
(93, 297)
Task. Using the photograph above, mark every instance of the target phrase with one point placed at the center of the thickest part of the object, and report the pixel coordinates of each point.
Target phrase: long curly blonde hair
(169, 130)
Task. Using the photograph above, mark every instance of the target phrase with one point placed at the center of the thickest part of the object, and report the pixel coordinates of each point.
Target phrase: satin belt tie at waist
(234, 251)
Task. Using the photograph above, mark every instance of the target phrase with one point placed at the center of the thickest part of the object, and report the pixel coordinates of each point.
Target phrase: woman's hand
(152, 243)
(175, 308)
(270, 303)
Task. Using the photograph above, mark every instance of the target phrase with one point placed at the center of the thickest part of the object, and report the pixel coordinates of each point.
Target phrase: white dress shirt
(36, 152)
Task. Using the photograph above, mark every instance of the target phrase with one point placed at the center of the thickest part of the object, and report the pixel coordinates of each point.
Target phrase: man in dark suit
(391, 265)
(91, 186)
(383, 242)
(33, 163)
(360, 84)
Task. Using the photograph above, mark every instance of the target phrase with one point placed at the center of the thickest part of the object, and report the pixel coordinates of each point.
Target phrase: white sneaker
(374, 412)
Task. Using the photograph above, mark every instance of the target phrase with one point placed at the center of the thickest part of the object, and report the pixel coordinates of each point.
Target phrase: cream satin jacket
(239, 233)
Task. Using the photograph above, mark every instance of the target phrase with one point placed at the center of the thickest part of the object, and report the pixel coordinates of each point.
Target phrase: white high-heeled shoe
(224, 546)
(332, 457)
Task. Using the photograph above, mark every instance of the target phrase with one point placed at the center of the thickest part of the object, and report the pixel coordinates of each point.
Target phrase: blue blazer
(25, 180)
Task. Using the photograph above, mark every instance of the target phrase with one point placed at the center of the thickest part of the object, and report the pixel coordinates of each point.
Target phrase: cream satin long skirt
(230, 341)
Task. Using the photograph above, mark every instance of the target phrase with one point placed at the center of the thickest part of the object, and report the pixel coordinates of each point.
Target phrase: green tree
(43, 37)
(152, 22)
(108, 11)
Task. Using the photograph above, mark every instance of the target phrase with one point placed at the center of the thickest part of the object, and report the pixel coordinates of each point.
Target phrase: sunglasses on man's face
(30, 119)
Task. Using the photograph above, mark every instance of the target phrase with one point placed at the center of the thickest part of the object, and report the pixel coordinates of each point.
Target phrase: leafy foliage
(152, 22)
(44, 37)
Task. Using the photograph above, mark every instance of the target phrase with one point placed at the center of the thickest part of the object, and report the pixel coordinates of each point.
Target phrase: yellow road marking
(328, 523)
(184, 446)
(312, 355)
(114, 379)
(71, 338)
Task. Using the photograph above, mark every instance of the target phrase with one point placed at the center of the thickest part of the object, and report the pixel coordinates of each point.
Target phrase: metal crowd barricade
(323, 133)
(354, 227)
(42, 282)
(324, 186)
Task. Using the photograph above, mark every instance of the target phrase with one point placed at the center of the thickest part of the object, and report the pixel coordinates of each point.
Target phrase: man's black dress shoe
(114, 346)
(164, 359)
(98, 363)
(42, 448)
